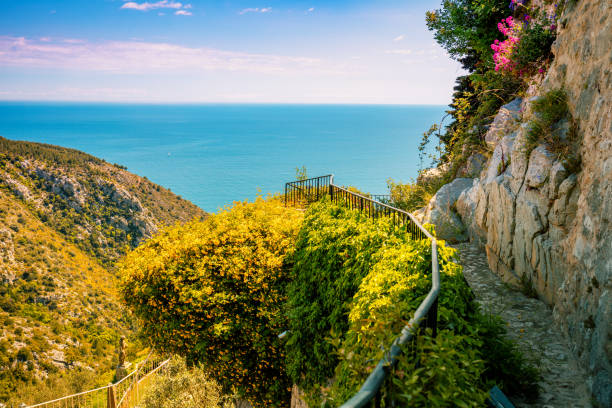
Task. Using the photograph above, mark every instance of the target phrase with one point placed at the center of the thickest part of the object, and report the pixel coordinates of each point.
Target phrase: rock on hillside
(99, 206)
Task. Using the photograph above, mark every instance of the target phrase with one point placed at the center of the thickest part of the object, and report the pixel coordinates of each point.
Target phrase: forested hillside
(65, 218)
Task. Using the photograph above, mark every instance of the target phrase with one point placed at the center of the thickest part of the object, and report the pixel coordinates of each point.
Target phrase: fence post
(136, 385)
(110, 397)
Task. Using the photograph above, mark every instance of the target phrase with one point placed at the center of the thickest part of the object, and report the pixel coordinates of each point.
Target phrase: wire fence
(303, 192)
(125, 393)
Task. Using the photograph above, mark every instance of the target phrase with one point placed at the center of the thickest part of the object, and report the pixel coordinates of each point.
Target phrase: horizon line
(54, 101)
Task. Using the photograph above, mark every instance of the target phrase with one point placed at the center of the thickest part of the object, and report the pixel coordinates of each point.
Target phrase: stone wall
(541, 226)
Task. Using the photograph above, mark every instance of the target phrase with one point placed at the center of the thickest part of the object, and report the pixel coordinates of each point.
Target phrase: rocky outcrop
(441, 211)
(542, 226)
(508, 115)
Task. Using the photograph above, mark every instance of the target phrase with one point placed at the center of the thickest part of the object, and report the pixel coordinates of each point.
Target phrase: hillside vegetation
(214, 292)
(220, 291)
(100, 207)
(65, 217)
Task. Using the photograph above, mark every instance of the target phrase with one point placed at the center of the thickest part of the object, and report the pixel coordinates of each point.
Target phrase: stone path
(530, 323)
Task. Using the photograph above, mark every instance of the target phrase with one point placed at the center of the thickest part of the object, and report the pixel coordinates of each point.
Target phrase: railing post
(110, 397)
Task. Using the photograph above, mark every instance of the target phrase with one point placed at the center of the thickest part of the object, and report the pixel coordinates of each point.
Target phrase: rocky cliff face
(543, 226)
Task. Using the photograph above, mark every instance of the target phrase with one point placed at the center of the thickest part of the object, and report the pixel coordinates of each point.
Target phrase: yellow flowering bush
(213, 291)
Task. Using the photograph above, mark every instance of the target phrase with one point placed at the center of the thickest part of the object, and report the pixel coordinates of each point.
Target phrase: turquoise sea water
(214, 154)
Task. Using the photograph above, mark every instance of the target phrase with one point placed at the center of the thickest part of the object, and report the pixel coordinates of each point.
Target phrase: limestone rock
(505, 121)
(538, 170)
(440, 211)
(428, 175)
(520, 159)
(557, 175)
(473, 166)
(543, 223)
(467, 205)
(500, 159)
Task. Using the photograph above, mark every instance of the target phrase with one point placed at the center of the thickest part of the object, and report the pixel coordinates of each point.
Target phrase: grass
(549, 113)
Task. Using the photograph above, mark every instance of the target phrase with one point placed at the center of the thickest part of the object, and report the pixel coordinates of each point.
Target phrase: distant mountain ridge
(99, 206)
(65, 218)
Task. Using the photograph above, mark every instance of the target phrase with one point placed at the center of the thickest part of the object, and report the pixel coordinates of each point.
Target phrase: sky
(192, 51)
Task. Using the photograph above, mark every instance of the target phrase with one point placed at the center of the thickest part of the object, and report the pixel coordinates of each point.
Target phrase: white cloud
(146, 6)
(73, 41)
(310, 10)
(182, 13)
(187, 6)
(399, 52)
(255, 10)
(139, 57)
(399, 38)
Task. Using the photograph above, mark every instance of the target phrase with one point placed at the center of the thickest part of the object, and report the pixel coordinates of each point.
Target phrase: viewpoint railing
(125, 393)
(304, 192)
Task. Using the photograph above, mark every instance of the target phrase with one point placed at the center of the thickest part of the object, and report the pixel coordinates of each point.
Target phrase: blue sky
(222, 51)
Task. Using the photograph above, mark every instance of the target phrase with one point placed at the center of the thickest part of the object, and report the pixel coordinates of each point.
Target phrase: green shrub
(213, 291)
(415, 195)
(182, 387)
(505, 366)
(550, 110)
(386, 301)
(445, 373)
(335, 249)
(325, 344)
(533, 48)
(24, 354)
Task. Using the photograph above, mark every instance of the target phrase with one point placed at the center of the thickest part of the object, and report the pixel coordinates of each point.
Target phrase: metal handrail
(71, 398)
(427, 310)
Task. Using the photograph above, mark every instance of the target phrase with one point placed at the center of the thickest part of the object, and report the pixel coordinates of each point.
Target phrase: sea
(214, 154)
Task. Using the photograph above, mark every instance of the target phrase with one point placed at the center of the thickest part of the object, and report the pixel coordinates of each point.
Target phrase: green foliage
(343, 313)
(533, 48)
(336, 248)
(387, 299)
(505, 366)
(61, 156)
(467, 28)
(550, 111)
(34, 391)
(181, 387)
(445, 373)
(415, 195)
(213, 292)
(301, 173)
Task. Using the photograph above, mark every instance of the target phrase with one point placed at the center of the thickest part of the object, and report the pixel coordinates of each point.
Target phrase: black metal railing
(304, 192)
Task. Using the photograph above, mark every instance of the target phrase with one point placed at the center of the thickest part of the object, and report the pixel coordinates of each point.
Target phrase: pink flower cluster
(503, 49)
